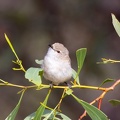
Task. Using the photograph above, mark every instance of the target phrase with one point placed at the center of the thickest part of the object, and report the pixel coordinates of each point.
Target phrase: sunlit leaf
(80, 54)
(93, 112)
(106, 81)
(114, 102)
(69, 91)
(34, 75)
(13, 114)
(8, 41)
(41, 109)
(39, 61)
(116, 24)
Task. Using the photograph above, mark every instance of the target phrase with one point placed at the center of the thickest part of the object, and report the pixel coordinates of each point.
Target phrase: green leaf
(56, 117)
(34, 75)
(114, 102)
(12, 48)
(106, 81)
(13, 114)
(46, 113)
(41, 109)
(74, 74)
(39, 61)
(116, 24)
(69, 91)
(63, 116)
(30, 117)
(80, 54)
(93, 112)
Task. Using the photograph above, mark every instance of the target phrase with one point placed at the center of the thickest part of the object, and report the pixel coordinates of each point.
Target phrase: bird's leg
(68, 84)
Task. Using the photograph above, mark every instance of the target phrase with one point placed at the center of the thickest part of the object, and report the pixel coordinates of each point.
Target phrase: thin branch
(101, 96)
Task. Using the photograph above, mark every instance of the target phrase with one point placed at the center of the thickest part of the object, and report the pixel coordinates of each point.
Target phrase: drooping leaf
(34, 75)
(74, 74)
(116, 24)
(46, 113)
(13, 114)
(56, 117)
(106, 81)
(41, 109)
(114, 102)
(80, 54)
(93, 112)
(63, 116)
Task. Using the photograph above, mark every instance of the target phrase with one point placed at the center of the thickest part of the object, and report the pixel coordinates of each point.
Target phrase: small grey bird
(57, 64)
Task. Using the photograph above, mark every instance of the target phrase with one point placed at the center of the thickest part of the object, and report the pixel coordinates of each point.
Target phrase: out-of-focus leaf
(74, 74)
(58, 116)
(106, 81)
(41, 109)
(34, 75)
(93, 112)
(13, 114)
(80, 54)
(39, 61)
(116, 24)
(114, 102)
(69, 91)
(63, 116)
(11, 46)
(30, 117)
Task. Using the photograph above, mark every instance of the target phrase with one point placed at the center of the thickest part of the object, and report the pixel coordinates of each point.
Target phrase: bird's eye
(58, 51)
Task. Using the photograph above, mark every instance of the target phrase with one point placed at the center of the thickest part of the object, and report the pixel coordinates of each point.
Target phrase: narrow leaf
(30, 117)
(93, 112)
(13, 114)
(74, 74)
(116, 24)
(34, 75)
(106, 81)
(63, 116)
(69, 91)
(80, 54)
(114, 102)
(41, 109)
(8, 41)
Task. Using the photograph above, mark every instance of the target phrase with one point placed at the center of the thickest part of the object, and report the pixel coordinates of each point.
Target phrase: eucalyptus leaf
(116, 24)
(41, 109)
(34, 75)
(80, 54)
(106, 81)
(69, 91)
(63, 116)
(93, 112)
(56, 117)
(114, 102)
(13, 114)
(74, 74)
(30, 117)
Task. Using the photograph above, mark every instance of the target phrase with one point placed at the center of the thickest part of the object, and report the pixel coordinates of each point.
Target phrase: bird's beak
(50, 46)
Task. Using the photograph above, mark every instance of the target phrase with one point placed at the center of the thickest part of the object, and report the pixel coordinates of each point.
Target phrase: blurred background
(32, 25)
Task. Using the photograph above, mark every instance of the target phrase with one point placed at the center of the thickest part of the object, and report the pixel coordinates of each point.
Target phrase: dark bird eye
(50, 46)
(58, 51)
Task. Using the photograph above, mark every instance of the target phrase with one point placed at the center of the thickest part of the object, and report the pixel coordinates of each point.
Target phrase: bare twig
(106, 90)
